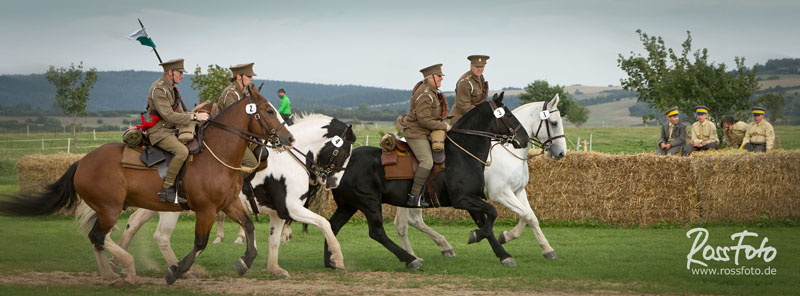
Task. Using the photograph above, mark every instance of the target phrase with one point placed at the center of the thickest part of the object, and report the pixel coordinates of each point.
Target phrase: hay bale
(37, 170)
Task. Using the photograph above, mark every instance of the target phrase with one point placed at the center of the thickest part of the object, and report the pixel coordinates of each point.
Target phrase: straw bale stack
(37, 170)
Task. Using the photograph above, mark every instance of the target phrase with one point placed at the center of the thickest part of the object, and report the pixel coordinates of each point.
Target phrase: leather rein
(269, 130)
(315, 169)
(549, 142)
(501, 139)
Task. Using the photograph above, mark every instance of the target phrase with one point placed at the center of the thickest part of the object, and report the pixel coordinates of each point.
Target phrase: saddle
(400, 163)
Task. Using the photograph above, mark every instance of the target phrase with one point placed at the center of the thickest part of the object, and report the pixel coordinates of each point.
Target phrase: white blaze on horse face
(499, 112)
(544, 115)
(250, 108)
(337, 141)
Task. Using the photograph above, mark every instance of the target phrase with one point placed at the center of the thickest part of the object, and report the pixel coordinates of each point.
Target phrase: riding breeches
(249, 160)
(422, 150)
(172, 145)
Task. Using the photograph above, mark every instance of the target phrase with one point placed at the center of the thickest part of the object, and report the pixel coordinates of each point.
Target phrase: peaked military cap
(430, 70)
(672, 112)
(243, 69)
(478, 60)
(700, 109)
(176, 64)
(758, 111)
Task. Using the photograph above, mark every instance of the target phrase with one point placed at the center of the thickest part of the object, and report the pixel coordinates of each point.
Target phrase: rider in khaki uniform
(424, 115)
(734, 131)
(162, 103)
(471, 88)
(238, 90)
(760, 136)
(704, 133)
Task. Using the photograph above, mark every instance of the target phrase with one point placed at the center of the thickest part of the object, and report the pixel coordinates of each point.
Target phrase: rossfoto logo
(701, 252)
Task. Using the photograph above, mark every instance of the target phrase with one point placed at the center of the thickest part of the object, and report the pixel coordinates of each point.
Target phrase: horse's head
(494, 117)
(267, 122)
(549, 129)
(334, 155)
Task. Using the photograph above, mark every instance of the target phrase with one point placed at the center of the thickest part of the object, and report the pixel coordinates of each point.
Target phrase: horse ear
(554, 103)
(499, 99)
(494, 97)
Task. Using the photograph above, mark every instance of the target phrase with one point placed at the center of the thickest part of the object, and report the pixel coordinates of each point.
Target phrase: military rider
(425, 114)
(242, 78)
(162, 103)
(471, 88)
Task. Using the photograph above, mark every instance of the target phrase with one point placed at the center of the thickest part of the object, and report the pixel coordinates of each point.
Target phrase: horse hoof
(509, 262)
(172, 274)
(238, 241)
(190, 275)
(122, 281)
(241, 268)
(502, 238)
(217, 241)
(473, 237)
(414, 265)
(449, 253)
(550, 255)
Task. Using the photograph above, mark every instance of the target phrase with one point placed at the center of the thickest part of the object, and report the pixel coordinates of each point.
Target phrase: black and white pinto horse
(364, 187)
(322, 152)
(506, 179)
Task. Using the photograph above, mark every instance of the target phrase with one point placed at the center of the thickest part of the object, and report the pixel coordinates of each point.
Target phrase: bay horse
(364, 186)
(211, 184)
(506, 179)
(317, 160)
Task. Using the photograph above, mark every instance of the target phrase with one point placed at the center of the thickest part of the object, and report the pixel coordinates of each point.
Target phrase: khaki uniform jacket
(706, 131)
(161, 98)
(736, 134)
(470, 90)
(231, 94)
(760, 133)
(423, 113)
(678, 135)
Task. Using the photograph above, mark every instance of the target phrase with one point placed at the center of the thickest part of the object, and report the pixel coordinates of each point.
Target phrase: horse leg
(337, 221)
(509, 199)
(100, 236)
(547, 250)
(167, 221)
(220, 229)
(275, 229)
(376, 232)
(485, 210)
(97, 235)
(286, 235)
(401, 225)
(135, 222)
(415, 220)
(202, 228)
(124, 259)
(236, 212)
(303, 215)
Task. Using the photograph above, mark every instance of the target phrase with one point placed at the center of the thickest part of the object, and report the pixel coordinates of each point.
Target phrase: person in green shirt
(285, 109)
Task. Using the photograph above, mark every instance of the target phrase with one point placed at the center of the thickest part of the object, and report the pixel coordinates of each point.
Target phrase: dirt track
(381, 283)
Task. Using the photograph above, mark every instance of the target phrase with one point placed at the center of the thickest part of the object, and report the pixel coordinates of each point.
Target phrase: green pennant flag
(141, 36)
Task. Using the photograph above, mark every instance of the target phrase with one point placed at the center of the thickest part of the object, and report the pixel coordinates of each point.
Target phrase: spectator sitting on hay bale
(673, 134)
(760, 136)
(704, 133)
(734, 131)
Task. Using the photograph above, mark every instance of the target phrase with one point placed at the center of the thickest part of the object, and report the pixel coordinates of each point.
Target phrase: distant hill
(127, 90)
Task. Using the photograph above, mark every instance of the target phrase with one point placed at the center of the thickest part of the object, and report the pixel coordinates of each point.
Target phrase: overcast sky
(377, 43)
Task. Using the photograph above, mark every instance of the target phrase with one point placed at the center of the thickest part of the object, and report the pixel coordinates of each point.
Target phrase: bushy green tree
(540, 90)
(211, 84)
(72, 91)
(665, 79)
(773, 102)
(578, 114)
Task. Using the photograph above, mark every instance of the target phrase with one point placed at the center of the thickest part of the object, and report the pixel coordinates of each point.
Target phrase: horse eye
(270, 111)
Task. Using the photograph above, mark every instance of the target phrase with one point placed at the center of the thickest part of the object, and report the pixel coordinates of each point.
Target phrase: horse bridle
(502, 138)
(272, 133)
(323, 171)
(549, 142)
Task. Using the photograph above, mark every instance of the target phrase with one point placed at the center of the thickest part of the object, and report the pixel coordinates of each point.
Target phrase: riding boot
(170, 195)
(415, 197)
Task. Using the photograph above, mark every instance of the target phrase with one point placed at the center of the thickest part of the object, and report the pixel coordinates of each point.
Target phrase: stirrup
(416, 201)
(170, 195)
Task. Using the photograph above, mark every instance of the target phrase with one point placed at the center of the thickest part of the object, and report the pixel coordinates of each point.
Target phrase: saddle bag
(437, 140)
(133, 137)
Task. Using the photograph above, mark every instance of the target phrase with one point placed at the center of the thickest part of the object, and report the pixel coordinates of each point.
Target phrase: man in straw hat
(471, 88)
(165, 117)
(237, 90)
(704, 133)
(733, 131)
(673, 134)
(760, 136)
(425, 114)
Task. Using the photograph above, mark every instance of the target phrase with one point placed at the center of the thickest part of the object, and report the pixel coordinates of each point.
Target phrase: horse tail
(57, 196)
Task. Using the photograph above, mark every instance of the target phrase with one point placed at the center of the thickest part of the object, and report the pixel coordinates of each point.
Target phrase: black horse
(363, 186)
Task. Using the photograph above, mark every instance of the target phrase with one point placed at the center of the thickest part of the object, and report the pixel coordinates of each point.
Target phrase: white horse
(320, 156)
(505, 179)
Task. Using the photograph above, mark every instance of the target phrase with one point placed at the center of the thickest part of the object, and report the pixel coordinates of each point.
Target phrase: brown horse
(211, 183)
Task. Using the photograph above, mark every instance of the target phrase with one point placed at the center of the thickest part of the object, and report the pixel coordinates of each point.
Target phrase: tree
(773, 102)
(664, 79)
(210, 85)
(578, 114)
(72, 91)
(540, 90)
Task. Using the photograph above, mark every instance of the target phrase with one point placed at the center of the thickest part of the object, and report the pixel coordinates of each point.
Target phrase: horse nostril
(291, 139)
